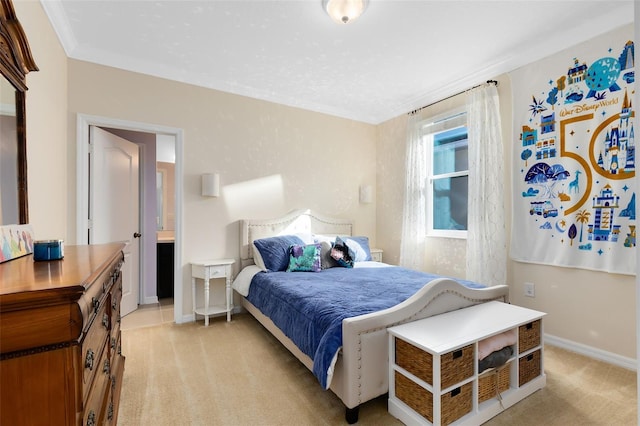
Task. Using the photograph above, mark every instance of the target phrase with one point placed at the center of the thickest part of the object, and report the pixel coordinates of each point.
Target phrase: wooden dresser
(60, 356)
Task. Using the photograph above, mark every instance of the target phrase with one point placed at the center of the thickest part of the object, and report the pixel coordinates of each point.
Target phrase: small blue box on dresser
(48, 250)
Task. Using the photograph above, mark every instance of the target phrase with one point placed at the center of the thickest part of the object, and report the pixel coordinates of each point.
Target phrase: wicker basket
(414, 360)
(528, 336)
(455, 366)
(454, 404)
(528, 367)
(494, 382)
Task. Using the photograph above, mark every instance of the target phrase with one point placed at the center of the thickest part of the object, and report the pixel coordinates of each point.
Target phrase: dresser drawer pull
(105, 321)
(106, 369)
(110, 411)
(113, 343)
(96, 304)
(114, 305)
(88, 361)
(91, 419)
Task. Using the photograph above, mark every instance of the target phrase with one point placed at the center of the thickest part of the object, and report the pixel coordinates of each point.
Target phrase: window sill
(458, 235)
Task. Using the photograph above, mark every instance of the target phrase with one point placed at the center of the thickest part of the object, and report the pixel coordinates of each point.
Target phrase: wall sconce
(366, 194)
(210, 185)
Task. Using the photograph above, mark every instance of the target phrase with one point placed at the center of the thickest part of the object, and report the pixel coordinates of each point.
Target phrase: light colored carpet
(237, 374)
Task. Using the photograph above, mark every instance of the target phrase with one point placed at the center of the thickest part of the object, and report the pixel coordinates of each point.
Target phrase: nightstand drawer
(207, 272)
(376, 255)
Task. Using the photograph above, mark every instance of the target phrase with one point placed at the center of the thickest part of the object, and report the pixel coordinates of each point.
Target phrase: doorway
(148, 224)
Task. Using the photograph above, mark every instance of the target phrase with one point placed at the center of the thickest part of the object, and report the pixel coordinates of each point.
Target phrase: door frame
(83, 122)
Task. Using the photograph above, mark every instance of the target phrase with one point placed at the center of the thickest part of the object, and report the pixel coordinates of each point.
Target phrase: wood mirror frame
(15, 62)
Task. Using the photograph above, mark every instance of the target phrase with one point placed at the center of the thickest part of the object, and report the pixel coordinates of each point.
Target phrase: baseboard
(609, 357)
(188, 318)
(150, 300)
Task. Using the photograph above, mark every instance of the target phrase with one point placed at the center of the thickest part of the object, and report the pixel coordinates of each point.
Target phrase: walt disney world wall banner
(574, 159)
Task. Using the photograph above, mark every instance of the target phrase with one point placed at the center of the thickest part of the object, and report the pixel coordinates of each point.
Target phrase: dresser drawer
(96, 294)
(109, 411)
(96, 402)
(93, 347)
(116, 298)
(117, 374)
(115, 345)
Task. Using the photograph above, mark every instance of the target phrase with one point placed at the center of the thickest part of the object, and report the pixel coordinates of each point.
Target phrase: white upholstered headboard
(294, 222)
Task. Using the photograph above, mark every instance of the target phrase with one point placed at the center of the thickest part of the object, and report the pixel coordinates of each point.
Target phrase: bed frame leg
(351, 415)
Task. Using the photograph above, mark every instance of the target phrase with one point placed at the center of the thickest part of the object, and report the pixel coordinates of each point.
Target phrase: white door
(114, 205)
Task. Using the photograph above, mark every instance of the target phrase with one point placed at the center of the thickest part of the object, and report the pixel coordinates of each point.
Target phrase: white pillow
(257, 258)
(306, 237)
(358, 245)
(360, 254)
(319, 238)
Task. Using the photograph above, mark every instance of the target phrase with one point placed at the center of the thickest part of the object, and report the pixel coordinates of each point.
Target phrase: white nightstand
(376, 254)
(206, 270)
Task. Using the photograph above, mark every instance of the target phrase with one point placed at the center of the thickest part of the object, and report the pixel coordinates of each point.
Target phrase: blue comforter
(309, 306)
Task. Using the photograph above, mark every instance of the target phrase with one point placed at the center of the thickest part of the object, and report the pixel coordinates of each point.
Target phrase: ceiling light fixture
(344, 11)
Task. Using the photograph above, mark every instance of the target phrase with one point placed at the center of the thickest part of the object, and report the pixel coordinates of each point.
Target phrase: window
(447, 176)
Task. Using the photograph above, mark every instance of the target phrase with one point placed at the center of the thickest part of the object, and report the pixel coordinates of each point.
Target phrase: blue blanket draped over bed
(309, 306)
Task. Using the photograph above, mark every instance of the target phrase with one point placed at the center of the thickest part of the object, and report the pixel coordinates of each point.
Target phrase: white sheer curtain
(486, 236)
(414, 211)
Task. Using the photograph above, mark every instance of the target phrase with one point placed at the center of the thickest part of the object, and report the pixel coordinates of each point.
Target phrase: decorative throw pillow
(360, 248)
(326, 261)
(304, 258)
(274, 252)
(340, 253)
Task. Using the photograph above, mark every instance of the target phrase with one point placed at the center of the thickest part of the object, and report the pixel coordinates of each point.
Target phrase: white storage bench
(434, 377)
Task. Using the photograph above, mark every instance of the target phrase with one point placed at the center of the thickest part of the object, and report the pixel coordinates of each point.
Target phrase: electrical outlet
(529, 290)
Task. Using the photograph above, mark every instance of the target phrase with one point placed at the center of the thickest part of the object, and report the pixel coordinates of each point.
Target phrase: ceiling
(398, 56)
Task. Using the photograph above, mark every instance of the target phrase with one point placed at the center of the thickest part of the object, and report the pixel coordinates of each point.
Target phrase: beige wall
(296, 158)
(271, 158)
(48, 160)
(589, 308)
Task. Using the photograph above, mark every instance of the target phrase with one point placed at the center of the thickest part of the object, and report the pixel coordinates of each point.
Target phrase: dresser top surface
(80, 266)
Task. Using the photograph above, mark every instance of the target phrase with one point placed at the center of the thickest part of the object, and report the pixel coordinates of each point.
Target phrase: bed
(357, 369)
